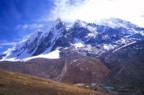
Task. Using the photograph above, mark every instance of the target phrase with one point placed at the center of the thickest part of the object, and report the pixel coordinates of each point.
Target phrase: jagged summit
(79, 23)
(59, 23)
(91, 38)
(58, 20)
(39, 42)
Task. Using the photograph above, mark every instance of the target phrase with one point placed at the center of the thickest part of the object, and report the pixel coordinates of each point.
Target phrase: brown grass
(12, 83)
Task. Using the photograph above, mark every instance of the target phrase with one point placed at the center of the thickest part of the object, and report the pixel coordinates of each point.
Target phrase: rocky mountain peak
(79, 23)
(98, 38)
(59, 24)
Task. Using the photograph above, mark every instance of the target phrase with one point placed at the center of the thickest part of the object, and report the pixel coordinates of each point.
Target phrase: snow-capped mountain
(100, 37)
(41, 42)
(89, 39)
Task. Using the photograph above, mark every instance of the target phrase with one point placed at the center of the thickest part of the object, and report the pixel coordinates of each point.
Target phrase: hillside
(12, 83)
(127, 65)
(82, 69)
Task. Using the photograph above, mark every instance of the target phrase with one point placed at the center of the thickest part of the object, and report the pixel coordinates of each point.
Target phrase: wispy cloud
(7, 44)
(91, 10)
(29, 26)
(4, 45)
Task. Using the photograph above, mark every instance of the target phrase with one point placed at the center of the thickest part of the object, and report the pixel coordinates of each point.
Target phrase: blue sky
(19, 18)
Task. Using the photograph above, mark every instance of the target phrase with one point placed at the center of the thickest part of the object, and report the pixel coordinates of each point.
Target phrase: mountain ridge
(100, 37)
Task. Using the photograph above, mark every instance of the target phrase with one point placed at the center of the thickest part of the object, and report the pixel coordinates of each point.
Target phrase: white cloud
(36, 26)
(4, 44)
(29, 26)
(7, 43)
(91, 10)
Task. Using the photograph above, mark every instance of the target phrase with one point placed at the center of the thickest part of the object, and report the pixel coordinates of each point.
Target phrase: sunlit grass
(19, 84)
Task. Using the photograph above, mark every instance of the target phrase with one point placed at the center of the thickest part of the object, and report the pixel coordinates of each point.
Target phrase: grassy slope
(12, 83)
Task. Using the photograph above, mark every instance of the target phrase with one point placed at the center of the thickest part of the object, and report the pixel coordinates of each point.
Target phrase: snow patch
(51, 55)
(108, 47)
(142, 33)
(123, 40)
(91, 35)
(10, 59)
(80, 23)
(124, 46)
(91, 28)
(78, 45)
